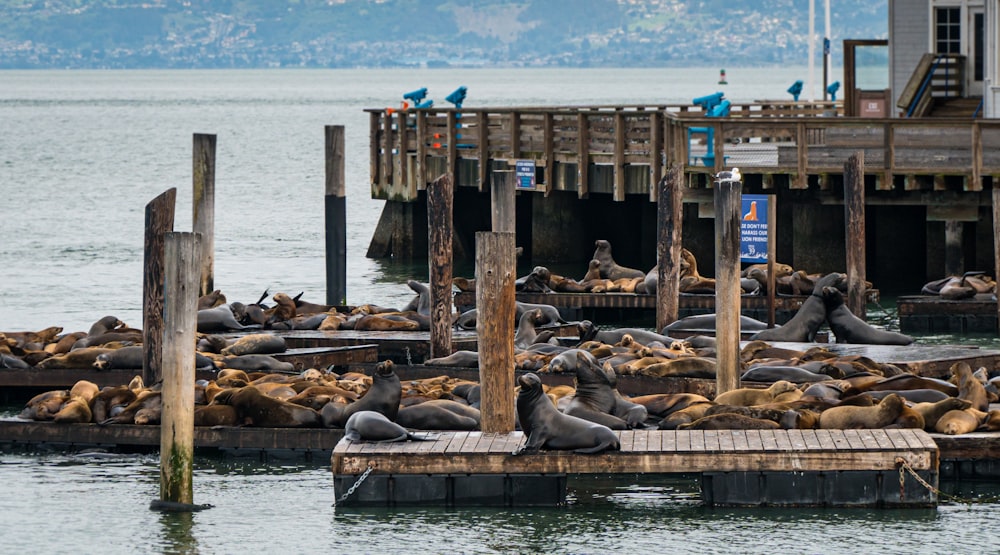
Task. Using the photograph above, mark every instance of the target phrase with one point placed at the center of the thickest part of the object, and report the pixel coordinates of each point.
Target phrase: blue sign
(525, 173)
(753, 229)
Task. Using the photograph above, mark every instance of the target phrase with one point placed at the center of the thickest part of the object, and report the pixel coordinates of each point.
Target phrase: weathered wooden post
(772, 232)
(728, 203)
(495, 276)
(669, 212)
(502, 201)
(854, 208)
(439, 257)
(954, 260)
(159, 220)
(996, 239)
(182, 270)
(203, 204)
(336, 217)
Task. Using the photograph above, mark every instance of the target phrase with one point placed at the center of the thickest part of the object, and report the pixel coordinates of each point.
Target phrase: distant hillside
(364, 33)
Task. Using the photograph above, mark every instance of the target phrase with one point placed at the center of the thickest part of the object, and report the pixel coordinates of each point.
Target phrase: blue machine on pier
(715, 106)
(832, 89)
(795, 90)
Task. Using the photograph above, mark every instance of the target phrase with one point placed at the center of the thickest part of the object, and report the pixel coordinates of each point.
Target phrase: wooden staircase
(968, 107)
(936, 77)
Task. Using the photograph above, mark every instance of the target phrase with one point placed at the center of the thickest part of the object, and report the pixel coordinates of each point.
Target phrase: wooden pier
(738, 467)
(403, 347)
(932, 314)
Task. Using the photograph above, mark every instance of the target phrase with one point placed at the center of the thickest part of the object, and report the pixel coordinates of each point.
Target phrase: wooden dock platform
(830, 467)
(602, 307)
(403, 347)
(932, 314)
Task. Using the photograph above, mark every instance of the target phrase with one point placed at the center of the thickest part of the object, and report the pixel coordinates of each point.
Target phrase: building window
(978, 56)
(948, 27)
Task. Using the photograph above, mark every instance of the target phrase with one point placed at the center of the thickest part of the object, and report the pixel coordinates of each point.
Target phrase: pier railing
(625, 150)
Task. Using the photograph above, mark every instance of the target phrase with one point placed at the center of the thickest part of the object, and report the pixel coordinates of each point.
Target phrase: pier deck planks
(652, 451)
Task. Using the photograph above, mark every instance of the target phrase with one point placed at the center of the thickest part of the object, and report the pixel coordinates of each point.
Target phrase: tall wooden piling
(336, 217)
(669, 220)
(502, 201)
(996, 238)
(772, 233)
(495, 276)
(203, 205)
(182, 270)
(159, 221)
(728, 199)
(854, 214)
(954, 259)
(439, 256)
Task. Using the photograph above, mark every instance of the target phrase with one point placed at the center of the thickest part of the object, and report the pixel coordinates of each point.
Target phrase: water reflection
(176, 533)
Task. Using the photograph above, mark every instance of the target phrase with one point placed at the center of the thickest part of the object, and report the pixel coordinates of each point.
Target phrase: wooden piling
(669, 209)
(203, 204)
(495, 276)
(439, 256)
(728, 198)
(502, 200)
(954, 260)
(336, 217)
(159, 220)
(772, 232)
(854, 208)
(996, 237)
(183, 256)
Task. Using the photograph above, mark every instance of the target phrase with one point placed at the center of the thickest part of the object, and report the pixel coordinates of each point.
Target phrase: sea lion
(216, 415)
(438, 414)
(852, 417)
(550, 314)
(682, 367)
(11, 361)
(383, 396)
(44, 406)
(729, 421)
(609, 268)
(211, 300)
(220, 318)
(850, 329)
(688, 414)
(110, 401)
(811, 315)
(547, 428)
(75, 411)
(526, 333)
(371, 426)
(969, 387)
(662, 404)
(80, 358)
(957, 422)
(772, 373)
(597, 398)
(145, 408)
(748, 397)
(537, 281)
(256, 344)
(422, 304)
(462, 359)
(257, 409)
(701, 322)
(257, 363)
(104, 325)
(932, 412)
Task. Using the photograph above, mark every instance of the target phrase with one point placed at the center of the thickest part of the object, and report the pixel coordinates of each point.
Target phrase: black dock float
(932, 314)
(739, 467)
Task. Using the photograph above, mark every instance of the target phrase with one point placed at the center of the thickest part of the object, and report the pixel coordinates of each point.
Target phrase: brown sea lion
(45, 405)
(957, 422)
(682, 367)
(662, 404)
(850, 417)
(110, 401)
(79, 358)
(104, 325)
(145, 409)
(383, 396)
(932, 412)
(547, 428)
(969, 387)
(256, 344)
(597, 398)
(609, 268)
(75, 411)
(692, 412)
(437, 415)
(729, 421)
(747, 397)
(211, 300)
(216, 415)
(257, 409)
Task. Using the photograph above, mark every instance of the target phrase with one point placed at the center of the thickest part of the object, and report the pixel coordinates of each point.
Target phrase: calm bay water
(82, 152)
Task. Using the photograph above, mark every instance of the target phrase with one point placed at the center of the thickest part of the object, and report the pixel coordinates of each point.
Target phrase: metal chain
(905, 466)
(350, 490)
(409, 360)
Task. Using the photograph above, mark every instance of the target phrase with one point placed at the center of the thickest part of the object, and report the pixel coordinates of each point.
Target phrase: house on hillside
(943, 58)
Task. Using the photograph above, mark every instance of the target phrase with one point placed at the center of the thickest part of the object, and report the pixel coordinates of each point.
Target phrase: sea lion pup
(969, 387)
(211, 300)
(597, 398)
(852, 417)
(383, 396)
(257, 409)
(729, 421)
(547, 428)
(609, 268)
(850, 329)
(748, 397)
(256, 344)
(811, 315)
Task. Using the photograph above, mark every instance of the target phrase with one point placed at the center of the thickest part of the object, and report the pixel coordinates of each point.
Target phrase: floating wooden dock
(603, 307)
(932, 314)
(738, 467)
(403, 347)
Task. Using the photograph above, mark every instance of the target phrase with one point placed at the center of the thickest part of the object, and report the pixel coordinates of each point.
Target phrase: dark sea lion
(216, 415)
(772, 373)
(462, 359)
(256, 344)
(423, 300)
(547, 428)
(662, 404)
(609, 268)
(852, 417)
(434, 415)
(905, 381)
(211, 300)
(597, 398)
(729, 421)
(104, 325)
(643, 336)
(537, 281)
(850, 329)
(220, 318)
(255, 408)
(144, 409)
(257, 363)
(811, 315)
(707, 322)
(371, 426)
(11, 361)
(526, 334)
(109, 401)
(383, 396)
(550, 314)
